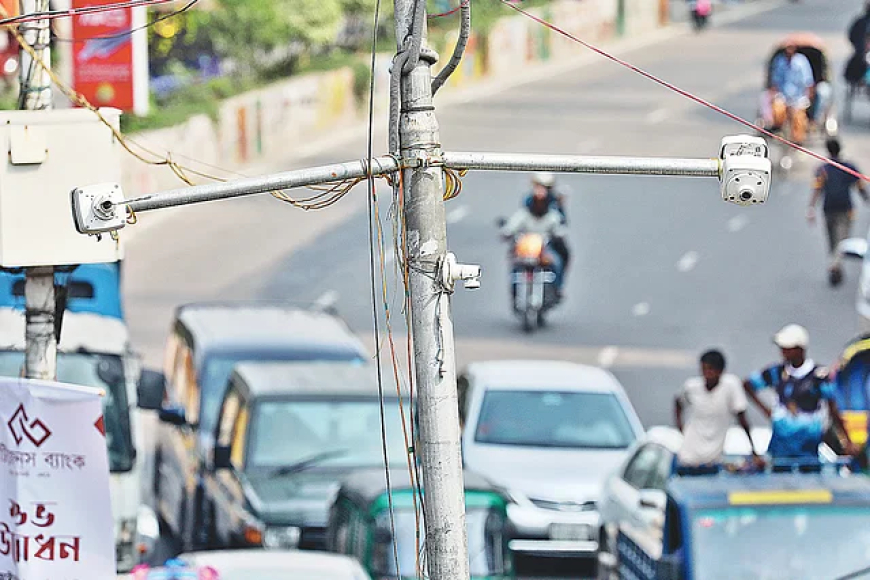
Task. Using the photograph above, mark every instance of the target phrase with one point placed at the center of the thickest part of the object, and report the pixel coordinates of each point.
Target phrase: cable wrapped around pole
(459, 49)
(405, 61)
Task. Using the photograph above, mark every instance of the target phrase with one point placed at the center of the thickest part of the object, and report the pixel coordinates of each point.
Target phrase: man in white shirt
(713, 400)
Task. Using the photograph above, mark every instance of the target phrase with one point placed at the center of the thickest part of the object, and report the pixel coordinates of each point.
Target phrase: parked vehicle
(359, 526)
(634, 491)
(94, 350)
(548, 432)
(856, 249)
(759, 525)
(206, 343)
(255, 565)
(287, 434)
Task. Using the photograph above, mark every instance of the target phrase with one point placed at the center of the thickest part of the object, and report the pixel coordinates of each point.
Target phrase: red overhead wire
(53, 14)
(687, 94)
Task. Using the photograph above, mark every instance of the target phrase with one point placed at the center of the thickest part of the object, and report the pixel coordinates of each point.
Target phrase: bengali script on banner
(55, 509)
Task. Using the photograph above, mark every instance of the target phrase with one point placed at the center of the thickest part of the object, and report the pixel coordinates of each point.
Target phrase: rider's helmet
(544, 178)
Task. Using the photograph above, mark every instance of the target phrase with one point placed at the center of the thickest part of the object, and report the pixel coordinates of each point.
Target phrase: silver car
(547, 432)
(856, 249)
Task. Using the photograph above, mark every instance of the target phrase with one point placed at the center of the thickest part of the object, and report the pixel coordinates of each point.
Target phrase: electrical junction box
(49, 154)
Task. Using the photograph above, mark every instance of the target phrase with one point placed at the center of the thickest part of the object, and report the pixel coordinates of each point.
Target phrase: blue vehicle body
(92, 288)
(719, 526)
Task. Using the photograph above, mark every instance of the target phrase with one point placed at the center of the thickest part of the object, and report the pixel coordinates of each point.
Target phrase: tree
(249, 30)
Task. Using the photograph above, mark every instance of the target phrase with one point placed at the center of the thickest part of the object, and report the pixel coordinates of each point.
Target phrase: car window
(558, 419)
(186, 380)
(662, 471)
(642, 466)
(229, 413)
(240, 431)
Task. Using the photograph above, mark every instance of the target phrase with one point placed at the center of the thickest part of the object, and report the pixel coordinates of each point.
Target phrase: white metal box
(50, 153)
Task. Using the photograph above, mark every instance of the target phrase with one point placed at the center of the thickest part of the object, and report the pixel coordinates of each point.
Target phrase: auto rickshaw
(359, 526)
(820, 108)
(853, 392)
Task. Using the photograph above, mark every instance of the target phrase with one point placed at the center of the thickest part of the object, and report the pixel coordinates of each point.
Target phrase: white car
(258, 564)
(856, 249)
(548, 433)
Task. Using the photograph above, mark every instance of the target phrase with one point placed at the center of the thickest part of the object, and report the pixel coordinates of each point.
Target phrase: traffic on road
(274, 430)
(651, 384)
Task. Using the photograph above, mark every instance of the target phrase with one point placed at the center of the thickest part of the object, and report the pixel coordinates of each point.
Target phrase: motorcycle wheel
(529, 320)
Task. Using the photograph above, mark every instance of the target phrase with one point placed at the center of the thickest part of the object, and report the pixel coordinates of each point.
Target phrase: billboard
(110, 64)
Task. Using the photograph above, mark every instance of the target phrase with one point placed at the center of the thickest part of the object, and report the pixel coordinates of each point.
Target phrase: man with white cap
(804, 397)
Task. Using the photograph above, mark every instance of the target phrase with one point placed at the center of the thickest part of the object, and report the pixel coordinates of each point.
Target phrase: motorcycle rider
(540, 217)
(546, 182)
(859, 32)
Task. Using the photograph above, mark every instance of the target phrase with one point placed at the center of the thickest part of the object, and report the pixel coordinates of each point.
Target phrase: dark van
(207, 341)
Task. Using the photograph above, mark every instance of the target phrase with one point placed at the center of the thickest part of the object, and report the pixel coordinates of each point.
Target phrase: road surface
(662, 268)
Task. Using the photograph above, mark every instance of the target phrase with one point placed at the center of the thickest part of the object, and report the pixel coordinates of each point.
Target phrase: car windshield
(340, 433)
(486, 544)
(553, 419)
(92, 370)
(780, 543)
(217, 369)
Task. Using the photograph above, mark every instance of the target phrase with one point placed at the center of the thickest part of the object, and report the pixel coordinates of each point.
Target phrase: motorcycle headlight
(282, 537)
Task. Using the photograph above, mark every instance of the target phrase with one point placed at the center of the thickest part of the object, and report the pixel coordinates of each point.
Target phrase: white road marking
(607, 356)
(688, 261)
(657, 116)
(457, 214)
(389, 256)
(640, 309)
(737, 223)
(327, 299)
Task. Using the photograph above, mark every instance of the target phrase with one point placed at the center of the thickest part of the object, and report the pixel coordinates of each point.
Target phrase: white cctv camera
(98, 208)
(745, 170)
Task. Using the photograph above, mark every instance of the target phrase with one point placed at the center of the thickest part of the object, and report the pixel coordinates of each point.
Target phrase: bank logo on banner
(55, 508)
(22, 427)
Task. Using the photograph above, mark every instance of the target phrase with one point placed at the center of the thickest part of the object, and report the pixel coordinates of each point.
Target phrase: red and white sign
(55, 508)
(110, 64)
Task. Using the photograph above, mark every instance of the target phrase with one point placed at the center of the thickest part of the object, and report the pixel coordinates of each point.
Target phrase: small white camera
(98, 208)
(745, 170)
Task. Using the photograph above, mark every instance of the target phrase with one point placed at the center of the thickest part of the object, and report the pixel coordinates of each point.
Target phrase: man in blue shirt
(792, 77)
(804, 399)
(834, 187)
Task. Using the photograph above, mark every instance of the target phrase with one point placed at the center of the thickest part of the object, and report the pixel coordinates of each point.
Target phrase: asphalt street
(662, 268)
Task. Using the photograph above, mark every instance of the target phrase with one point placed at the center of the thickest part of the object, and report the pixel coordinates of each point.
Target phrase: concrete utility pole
(40, 360)
(432, 326)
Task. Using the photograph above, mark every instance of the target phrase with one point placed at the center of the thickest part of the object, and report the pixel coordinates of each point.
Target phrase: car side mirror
(653, 499)
(855, 248)
(221, 457)
(172, 415)
(151, 390)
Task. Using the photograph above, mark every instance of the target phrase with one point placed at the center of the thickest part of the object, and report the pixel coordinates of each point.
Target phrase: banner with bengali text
(55, 508)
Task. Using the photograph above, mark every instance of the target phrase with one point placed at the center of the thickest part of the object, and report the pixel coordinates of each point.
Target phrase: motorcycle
(533, 287)
(700, 10)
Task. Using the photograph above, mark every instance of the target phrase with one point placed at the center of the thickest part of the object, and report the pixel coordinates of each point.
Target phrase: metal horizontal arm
(265, 184)
(456, 160)
(583, 164)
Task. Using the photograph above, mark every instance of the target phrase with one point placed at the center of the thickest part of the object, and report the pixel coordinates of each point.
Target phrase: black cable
(371, 201)
(167, 16)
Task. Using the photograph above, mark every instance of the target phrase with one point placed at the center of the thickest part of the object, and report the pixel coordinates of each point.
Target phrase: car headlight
(282, 537)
